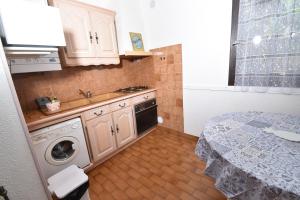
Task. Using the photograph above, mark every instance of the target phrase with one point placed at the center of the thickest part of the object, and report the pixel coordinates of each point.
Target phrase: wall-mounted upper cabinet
(105, 34)
(89, 32)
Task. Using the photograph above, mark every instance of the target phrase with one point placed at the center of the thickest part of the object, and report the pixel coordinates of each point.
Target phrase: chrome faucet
(87, 94)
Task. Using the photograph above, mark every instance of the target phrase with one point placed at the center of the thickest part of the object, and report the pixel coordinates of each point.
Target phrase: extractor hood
(28, 28)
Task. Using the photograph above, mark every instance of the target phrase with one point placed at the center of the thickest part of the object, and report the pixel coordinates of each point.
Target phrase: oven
(146, 115)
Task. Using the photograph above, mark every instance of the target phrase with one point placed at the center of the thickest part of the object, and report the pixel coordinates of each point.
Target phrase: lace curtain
(268, 44)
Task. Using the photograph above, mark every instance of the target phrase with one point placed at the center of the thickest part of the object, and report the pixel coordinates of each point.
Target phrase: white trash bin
(70, 184)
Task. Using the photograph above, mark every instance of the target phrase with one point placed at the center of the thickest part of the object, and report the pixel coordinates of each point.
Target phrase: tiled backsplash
(162, 71)
(65, 84)
(168, 80)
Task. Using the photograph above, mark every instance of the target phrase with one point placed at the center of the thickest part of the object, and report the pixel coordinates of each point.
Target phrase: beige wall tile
(163, 72)
(169, 86)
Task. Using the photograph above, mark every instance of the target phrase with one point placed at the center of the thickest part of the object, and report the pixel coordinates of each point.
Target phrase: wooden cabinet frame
(111, 131)
(102, 136)
(91, 36)
(86, 114)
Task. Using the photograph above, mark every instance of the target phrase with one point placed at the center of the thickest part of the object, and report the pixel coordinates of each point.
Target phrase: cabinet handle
(98, 114)
(112, 130)
(122, 106)
(146, 97)
(96, 36)
(91, 37)
(117, 128)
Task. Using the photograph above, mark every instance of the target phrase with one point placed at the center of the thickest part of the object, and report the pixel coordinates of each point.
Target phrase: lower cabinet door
(123, 120)
(101, 135)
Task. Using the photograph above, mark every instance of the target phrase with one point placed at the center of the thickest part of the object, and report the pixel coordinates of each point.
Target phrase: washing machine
(59, 146)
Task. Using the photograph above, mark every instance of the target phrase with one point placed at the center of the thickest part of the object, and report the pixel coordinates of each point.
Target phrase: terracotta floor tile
(134, 174)
(172, 197)
(96, 188)
(186, 196)
(133, 194)
(160, 191)
(162, 165)
(146, 182)
(100, 178)
(119, 195)
(105, 196)
(203, 196)
(109, 186)
(121, 184)
(156, 179)
(93, 195)
(122, 175)
(185, 187)
(134, 183)
(146, 192)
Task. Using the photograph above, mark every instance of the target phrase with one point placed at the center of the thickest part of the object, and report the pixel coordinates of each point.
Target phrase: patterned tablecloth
(249, 163)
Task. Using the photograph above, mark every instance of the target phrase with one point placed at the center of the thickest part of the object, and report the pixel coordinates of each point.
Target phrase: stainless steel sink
(104, 97)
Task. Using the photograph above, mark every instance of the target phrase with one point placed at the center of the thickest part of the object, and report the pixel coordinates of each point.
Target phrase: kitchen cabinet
(109, 125)
(89, 32)
(77, 27)
(123, 120)
(143, 97)
(101, 136)
(108, 132)
(105, 35)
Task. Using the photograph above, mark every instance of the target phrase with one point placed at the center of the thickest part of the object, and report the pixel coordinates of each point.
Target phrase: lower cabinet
(110, 132)
(101, 135)
(123, 120)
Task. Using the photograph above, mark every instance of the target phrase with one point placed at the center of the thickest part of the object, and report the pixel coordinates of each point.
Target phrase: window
(265, 43)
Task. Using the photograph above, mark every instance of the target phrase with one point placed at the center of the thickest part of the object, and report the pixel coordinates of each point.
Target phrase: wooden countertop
(37, 117)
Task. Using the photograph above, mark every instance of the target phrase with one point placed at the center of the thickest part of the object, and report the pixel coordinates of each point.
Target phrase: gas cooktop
(132, 89)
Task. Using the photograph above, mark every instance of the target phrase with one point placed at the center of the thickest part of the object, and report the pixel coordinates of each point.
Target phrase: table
(249, 163)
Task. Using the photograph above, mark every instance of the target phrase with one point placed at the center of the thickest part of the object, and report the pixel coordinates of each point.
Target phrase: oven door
(146, 119)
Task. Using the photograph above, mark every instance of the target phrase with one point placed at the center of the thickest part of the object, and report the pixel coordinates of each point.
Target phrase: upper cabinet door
(105, 34)
(89, 32)
(77, 29)
(101, 135)
(123, 120)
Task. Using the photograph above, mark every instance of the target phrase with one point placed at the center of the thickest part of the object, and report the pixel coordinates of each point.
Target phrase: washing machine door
(62, 150)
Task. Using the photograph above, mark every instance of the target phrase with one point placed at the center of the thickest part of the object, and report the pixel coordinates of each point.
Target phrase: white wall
(203, 104)
(108, 4)
(39, 2)
(129, 19)
(203, 28)
(18, 172)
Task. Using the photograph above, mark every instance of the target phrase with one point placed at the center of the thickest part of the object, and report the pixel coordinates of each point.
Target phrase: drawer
(143, 97)
(90, 114)
(119, 105)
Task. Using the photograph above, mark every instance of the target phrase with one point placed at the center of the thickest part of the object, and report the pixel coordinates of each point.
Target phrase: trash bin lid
(66, 181)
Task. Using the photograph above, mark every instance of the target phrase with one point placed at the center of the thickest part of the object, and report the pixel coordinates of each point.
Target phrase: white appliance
(29, 28)
(34, 63)
(59, 146)
(69, 181)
